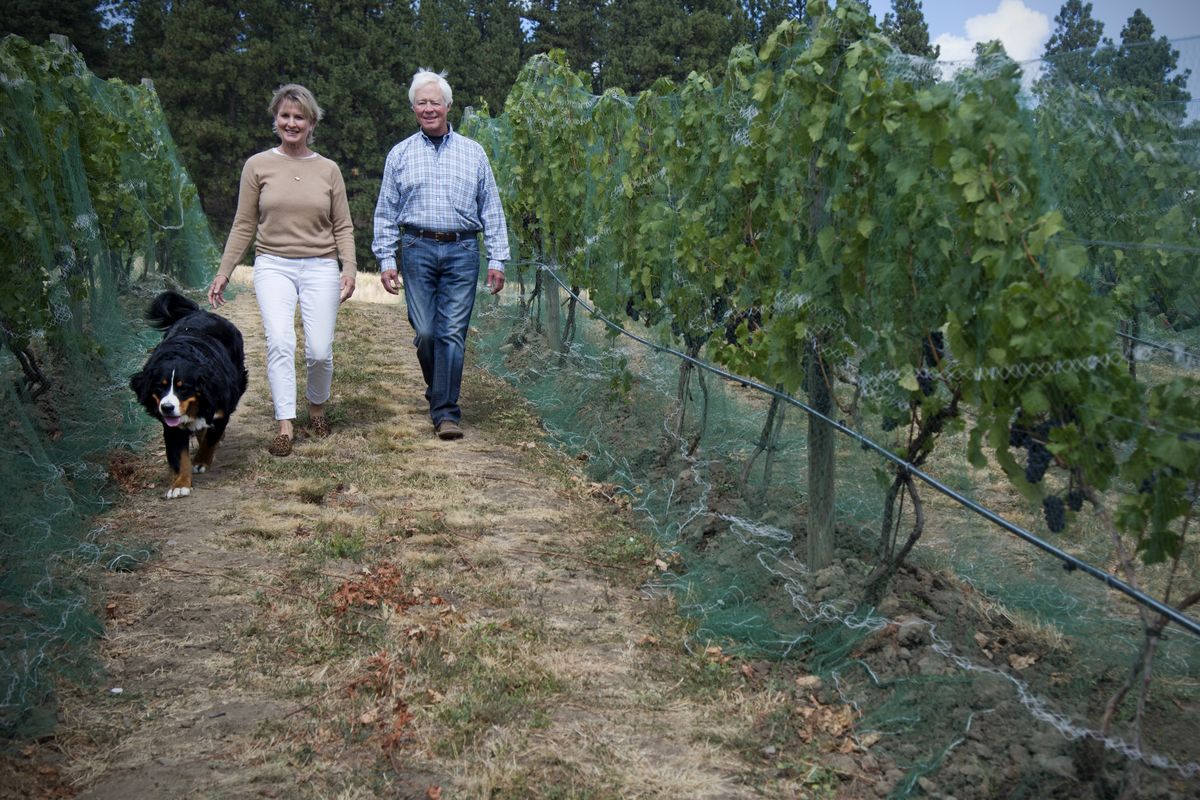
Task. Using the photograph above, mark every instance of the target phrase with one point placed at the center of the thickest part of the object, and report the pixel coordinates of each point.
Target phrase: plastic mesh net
(666, 238)
(98, 214)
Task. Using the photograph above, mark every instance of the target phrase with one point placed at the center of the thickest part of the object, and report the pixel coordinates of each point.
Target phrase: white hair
(425, 76)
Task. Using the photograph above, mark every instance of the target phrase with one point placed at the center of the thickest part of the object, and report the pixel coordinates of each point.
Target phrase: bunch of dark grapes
(1038, 458)
(933, 345)
(1075, 499)
(1055, 513)
(631, 310)
(1018, 436)
(1037, 463)
(732, 321)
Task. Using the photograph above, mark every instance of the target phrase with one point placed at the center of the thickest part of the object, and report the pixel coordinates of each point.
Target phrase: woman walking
(292, 202)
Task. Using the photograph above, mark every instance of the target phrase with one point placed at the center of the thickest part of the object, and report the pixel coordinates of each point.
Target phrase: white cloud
(1022, 30)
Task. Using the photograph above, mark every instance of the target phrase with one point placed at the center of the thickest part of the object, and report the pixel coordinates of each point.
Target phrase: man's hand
(495, 280)
(347, 288)
(390, 279)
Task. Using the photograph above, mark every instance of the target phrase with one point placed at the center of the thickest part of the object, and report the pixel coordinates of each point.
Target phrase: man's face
(430, 108)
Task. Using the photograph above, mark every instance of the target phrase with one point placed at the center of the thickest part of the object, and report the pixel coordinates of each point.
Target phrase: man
(438, 194)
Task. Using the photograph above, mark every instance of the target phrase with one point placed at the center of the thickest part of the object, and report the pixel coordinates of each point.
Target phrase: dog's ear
(137, 382)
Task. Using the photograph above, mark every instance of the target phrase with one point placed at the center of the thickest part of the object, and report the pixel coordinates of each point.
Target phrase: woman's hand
(216, 291)
(347, 288)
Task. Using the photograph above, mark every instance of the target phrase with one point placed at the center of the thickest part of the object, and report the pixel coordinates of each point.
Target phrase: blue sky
(1025, 25)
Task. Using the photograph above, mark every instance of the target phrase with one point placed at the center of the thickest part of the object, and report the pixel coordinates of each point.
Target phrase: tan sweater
(298, 209)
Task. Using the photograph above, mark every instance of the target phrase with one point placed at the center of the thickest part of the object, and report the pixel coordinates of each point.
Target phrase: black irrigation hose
(1070, 562)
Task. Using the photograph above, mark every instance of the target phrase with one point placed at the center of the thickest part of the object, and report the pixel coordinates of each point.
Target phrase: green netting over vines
(96, 214)
(841, 311)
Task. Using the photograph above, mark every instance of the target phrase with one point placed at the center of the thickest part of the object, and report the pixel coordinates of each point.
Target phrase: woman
(292, 202)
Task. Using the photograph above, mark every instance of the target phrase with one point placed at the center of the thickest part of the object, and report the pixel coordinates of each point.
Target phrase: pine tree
(214, 65)
(1075, 29)
(78, 20)
(137, 31)
(907, 29)
(1148, 64)
(362, 54)
(1070, 54)
(477, 43)
(764, 16)
(494, 63)
(651, 39)
(574, 26)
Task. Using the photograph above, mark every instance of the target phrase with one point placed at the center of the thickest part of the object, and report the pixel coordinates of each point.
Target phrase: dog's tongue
(171, 422)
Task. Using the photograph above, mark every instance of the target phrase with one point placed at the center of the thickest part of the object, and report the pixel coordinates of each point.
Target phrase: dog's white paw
(179, 491)
(199, 468)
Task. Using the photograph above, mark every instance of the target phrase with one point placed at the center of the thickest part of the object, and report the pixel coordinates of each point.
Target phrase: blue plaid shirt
(449, 189)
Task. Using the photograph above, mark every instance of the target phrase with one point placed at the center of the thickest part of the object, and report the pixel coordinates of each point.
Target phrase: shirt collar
(445, 136)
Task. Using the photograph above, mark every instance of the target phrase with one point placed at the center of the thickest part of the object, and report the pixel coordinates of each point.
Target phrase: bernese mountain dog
(192, 383)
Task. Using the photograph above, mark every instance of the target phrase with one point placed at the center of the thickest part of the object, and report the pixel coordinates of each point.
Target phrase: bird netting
(97, 213)
(894, 357)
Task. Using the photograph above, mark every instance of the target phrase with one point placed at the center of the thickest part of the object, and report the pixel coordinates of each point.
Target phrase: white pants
(278, 284)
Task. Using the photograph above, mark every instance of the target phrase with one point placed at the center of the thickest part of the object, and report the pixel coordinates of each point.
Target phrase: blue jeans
(439, 291)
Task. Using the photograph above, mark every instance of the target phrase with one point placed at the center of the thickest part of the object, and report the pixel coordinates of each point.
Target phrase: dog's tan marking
(181, 482)
(206, 449)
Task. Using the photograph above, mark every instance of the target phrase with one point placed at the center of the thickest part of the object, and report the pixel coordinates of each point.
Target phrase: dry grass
(383, 614)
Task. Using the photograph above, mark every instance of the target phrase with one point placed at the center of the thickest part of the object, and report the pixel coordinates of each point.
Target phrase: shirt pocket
(464, 197)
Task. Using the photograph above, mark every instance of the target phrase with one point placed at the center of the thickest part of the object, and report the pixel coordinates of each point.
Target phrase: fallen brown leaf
(1021, 662)
(809, 682)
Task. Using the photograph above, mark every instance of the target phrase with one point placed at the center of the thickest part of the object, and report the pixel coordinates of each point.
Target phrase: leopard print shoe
(320, 426)
(281, 446)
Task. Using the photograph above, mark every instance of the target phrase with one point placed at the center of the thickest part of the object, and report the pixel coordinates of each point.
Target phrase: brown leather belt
(440, 236)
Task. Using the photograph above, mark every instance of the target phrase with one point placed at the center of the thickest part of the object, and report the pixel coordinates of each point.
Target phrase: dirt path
(387, 615)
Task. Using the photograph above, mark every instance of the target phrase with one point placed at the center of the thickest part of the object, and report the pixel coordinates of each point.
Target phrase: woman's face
(291, 124)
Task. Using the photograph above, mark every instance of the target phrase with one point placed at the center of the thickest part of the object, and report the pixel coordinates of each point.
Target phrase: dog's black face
(170, 388)
(191, 383)
(180, 405)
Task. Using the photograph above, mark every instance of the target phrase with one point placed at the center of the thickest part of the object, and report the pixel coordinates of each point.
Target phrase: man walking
(438, 195)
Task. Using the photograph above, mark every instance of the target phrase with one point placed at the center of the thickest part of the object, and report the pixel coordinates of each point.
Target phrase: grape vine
(93, 192)
(827, 214)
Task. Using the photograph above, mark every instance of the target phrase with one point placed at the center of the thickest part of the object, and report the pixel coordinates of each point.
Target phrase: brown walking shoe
(449, 429)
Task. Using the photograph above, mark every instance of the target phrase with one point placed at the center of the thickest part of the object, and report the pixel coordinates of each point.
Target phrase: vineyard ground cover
(382, 615)
(975, 600)
(554, 661)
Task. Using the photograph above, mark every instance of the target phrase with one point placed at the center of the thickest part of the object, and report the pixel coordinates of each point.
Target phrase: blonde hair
(424, 76)
(302, 97)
